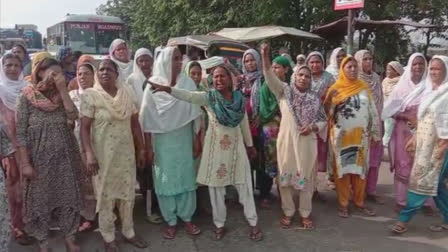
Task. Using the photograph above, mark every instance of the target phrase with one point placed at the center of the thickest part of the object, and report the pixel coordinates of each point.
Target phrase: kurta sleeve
(375, 121)
(195, 97)
(245, 130)
(22, 123)
(274, 83)
(87, 106)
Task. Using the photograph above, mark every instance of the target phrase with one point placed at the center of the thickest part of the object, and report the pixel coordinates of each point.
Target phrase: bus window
(58, 41)
(105, 34)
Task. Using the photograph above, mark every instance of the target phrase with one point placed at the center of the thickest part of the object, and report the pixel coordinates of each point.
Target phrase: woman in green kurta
(169, 126)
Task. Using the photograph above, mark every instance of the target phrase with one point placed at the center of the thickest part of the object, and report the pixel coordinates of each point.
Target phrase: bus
(90, 34)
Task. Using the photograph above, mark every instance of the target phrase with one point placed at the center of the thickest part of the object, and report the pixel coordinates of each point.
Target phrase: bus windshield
(81, 37)
(91, 38)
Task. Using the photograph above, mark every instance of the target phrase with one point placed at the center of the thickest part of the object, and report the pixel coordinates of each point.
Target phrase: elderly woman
(20, 50)
(353, 124)
(11, 85)
(429, 175)
(394, 70)
(109, 130)
(302, 118)
(50, 158)
(143, 63)
(224, 161)
(366, 74)
(85, 78)
(170, 126)
(84, 59)
(253, 80)
(120, 53)
(402, 106)
(336, 58)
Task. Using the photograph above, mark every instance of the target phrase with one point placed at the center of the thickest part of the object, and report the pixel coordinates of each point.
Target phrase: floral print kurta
(5, 229)
(224, 159)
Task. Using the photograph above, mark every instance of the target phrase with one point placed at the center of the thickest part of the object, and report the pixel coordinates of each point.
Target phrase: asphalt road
(356, 234)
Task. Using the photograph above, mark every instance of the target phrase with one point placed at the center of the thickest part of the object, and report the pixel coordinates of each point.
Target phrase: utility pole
(350, 32)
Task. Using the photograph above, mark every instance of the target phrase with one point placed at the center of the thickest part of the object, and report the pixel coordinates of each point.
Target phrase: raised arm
(195, 97)
(274, 83)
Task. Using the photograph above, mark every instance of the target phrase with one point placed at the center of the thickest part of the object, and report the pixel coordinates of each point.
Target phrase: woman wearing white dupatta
(429, 172)
(168, 127)
(402, 105)
(120, 53)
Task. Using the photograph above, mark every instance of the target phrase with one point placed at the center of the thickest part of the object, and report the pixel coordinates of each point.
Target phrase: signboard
(348, 4)
(80, 26)
(110, 27)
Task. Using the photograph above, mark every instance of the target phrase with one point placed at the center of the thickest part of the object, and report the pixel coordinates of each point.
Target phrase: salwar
(246, 198)
(372, 180)
(287, 195)
(416, 201)
(401, 191)
(107, 218)
(182, 205)
(347, 184)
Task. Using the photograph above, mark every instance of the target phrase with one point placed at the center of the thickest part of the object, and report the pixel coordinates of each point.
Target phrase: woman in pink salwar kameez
(402, 106)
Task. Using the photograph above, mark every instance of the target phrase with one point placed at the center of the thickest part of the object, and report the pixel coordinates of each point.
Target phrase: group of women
(73, 145)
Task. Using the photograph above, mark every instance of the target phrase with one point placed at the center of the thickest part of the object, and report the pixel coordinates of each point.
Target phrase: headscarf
(396, 66)
(346, 88)
(228, 113)
(333, 68)
(304, 106)
(84, 62)
(37, 58)
(431, 95)
(268, 101)
(254, 77)
(301, 56)
(10, 89)
(161, 112)
(372, 79)
(389, 83)
(321, 85)
(137, 78)
(125, 69)
(121, 106)
(406, 93)
(34, 93)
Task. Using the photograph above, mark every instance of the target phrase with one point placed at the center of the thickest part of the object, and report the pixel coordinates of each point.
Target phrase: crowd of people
(77, 136)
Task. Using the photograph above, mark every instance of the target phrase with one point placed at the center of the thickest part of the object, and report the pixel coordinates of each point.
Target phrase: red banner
(348, 4)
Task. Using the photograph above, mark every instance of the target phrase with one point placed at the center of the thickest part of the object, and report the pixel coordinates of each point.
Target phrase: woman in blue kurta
(169, 126)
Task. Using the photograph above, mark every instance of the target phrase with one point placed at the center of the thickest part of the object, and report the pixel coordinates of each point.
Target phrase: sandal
(110, 247)
(285, 222)
(438, 228)
(219, 233)
(366, 211)
(170, 233)
(376, 199)
(307, 224)
(22, 238)
(192, 229)
(256, 234)
(343, 212)
(154, 219)
(137, 242)
(398, 228)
